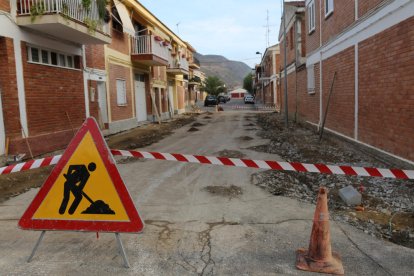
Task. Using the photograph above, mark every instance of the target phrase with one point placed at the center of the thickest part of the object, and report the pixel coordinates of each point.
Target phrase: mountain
(230, 72)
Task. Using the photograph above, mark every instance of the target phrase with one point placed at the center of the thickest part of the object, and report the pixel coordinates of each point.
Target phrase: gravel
(388, 203)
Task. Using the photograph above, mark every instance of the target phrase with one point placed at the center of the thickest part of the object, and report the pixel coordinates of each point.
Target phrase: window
(92, 94)
(44, 56)
(311, 16)
(311, 79)
(69, 61)
(54, 58)
(35, 54)
(140, 77)
(121, 92)
(62, 60)
(329, 7)
(291, 38)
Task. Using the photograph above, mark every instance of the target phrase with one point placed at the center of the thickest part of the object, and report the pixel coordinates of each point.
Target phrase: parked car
(248, 99)
(221, 99)
(210, 100)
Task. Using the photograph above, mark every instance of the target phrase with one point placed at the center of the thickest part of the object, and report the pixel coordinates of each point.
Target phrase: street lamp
(260, 74)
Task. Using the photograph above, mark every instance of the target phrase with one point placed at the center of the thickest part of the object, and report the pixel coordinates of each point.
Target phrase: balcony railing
(196, 62)
(148, 45)
(179, 63)
(71, 9)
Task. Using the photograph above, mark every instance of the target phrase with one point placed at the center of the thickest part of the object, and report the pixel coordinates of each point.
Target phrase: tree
(248, 82)
(213, 85)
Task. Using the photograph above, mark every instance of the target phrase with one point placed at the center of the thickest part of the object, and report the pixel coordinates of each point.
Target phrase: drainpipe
(85, 82)
(320, 65)
(285, 61)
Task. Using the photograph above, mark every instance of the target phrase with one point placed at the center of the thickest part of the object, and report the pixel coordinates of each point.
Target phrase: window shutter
(121, 92)
(311, 78)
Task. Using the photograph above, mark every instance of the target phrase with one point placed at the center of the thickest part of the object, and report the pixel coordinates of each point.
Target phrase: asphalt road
(193, 224)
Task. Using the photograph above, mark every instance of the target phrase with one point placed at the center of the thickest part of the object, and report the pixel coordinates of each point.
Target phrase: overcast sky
(235, 29)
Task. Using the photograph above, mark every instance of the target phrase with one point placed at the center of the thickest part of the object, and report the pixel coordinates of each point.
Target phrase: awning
(126, 20)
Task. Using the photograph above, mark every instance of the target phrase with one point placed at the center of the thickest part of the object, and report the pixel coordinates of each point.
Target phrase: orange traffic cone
(319, 257)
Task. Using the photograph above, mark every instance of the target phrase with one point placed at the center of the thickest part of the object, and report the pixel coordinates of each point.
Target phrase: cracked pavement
(189, 231)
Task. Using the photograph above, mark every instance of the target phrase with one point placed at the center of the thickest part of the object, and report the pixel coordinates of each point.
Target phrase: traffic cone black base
(331, 266)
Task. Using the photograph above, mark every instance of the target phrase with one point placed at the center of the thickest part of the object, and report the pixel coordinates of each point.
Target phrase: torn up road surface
(200, 220)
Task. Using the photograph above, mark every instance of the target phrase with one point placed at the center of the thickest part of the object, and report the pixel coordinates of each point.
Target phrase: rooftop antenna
(267, 30)
(178, 30)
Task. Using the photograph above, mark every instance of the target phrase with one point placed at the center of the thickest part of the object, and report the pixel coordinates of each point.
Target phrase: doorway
(103, 106)
(140, 99)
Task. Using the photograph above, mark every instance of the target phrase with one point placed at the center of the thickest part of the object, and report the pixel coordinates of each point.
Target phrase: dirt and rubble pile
(15, 184)
(388, 203)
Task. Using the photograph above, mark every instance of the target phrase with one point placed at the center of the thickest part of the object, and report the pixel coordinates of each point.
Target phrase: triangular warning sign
(84, 192)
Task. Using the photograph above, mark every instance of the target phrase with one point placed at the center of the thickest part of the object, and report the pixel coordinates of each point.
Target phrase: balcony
(194, 64)
(64, 19)
(148, 50)
(177, 65)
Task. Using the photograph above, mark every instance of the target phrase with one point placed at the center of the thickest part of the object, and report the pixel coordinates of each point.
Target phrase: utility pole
(267, 30)
(178, 30)
(285, 66)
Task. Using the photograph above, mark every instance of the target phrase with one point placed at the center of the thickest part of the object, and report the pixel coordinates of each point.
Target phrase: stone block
(350, 196)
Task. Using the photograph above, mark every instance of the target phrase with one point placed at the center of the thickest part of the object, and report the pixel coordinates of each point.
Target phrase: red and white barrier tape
(234, 162)
(30, 165)
(253, 107)
(270, 165)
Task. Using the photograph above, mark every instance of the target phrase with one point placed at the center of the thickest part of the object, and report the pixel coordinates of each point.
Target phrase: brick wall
(291, 88)
(309, 103)
(268, 94)
(95, 56)
(50, 93)
(5, 5)
(386, 98)
(120, 112)
(159, 73)
(312, 39)
(367, 5)
(120, 42)
(342, 16)
(8, 85)
(303, 36)
(290, 52)
(164, 100)
(340, 115)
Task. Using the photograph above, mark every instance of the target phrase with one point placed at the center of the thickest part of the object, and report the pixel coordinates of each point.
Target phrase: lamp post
(260, 75)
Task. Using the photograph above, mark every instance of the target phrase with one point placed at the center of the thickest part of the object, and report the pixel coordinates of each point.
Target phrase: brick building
(42, 86)
(267, 78)
(61, 64)
(146, 67)
(369, 45)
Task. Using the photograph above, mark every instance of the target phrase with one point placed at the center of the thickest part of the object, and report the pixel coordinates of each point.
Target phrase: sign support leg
(121, 250)
(36, 246)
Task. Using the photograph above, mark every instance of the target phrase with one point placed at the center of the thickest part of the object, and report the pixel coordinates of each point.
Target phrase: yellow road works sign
(84, 191)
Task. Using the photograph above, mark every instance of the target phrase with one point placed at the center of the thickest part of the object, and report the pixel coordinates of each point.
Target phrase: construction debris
(350, 196)
(381, 198)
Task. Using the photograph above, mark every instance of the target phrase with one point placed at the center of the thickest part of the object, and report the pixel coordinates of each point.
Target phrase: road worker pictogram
(84, 191)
